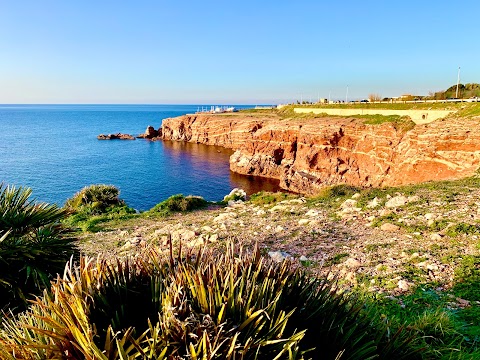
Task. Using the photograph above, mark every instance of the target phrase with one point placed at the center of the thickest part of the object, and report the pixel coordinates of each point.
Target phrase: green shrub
(94, 199)
(32, 251)
(197, 307)
(179, 203)
(94, 205)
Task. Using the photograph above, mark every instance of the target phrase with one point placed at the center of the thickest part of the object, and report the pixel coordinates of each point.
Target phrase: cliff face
(307, 154)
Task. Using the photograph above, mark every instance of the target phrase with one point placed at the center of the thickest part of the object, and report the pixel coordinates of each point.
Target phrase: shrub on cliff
(197, 307)
(94, 199)
(179, 203)
(95, 204)
(32, 250)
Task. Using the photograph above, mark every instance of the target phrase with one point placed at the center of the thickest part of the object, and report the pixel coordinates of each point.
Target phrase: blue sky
(57, 51)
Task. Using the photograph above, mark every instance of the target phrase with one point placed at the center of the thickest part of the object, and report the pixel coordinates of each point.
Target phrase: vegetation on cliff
(179, 203)
(465, 109)
(95, 204)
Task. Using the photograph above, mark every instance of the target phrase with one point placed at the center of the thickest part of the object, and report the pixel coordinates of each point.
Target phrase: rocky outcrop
(307, 154)
(151, 134)
(117, 136)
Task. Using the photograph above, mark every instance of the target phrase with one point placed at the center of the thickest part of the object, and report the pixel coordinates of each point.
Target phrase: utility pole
(346, 96)
(458, 82)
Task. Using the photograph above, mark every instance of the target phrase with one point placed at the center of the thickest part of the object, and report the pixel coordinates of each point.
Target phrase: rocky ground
(385, 241)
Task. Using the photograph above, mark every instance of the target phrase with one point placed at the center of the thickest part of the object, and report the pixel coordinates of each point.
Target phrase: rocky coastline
(306, 154)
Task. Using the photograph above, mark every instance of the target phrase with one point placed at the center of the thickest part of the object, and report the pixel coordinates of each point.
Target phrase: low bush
(96, 204)
(198, 307)
(94, 199)
(179, 203)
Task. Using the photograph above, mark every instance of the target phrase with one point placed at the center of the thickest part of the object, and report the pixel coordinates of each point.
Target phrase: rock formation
(117, 136)
(150, 133)
(308, 153)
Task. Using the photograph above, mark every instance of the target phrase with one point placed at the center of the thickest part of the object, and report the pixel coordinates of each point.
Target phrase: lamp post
(458, 82)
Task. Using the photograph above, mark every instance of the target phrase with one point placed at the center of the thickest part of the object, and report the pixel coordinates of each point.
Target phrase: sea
(53, 149)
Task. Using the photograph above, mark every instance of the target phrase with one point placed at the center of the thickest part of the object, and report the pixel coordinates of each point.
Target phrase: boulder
(279, 256)
(150, 132)
(389, 227)
(396, 201)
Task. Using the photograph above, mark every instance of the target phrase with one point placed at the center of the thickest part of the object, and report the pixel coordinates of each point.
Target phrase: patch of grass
(329, 195)
(267, 198)
(336, 259)
(414, 273)
(375, 247)
(444, 333)
(403, 122)
(179, 203)
(467, 278)
(88, 222)
(463, 228)
(389, 218)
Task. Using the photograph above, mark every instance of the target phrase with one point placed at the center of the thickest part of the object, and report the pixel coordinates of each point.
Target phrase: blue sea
(53, 149)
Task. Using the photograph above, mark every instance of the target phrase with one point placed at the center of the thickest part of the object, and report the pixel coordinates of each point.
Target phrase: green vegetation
(96, 204)
(179, 203)
(32, 250)
(465, 91)
(446, 331)
(467, 279)
(264, 197)
(462, 108)
(203, 306)
(402, 122)
(157, 303)
(330, 195)
(94, 199)
(336, 259)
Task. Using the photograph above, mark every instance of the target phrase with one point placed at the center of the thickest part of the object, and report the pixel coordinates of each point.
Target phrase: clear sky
(250, 52)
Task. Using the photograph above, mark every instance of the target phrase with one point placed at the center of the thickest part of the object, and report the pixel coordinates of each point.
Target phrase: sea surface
(53, 149)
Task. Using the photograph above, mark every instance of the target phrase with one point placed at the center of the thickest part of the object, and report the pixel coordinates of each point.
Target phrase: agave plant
(32, 250)
(23, 216)
(233, 306)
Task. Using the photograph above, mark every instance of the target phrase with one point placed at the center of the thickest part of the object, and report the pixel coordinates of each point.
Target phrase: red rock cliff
(307, 154)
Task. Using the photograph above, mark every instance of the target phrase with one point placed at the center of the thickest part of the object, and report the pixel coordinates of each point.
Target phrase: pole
(458, 82)
(346, 96)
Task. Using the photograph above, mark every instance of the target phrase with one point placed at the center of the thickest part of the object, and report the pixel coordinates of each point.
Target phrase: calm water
(54, 150)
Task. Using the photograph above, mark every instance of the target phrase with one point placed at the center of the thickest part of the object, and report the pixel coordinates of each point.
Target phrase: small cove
(53, 149)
